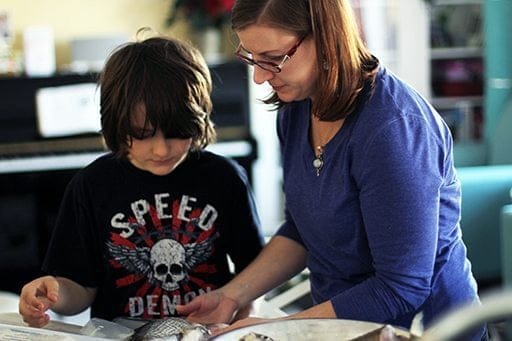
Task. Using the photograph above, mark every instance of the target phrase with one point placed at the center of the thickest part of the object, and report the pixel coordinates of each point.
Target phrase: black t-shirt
(149, 242)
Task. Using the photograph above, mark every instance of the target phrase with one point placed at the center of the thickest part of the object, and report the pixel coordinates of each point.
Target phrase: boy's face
(155, 154)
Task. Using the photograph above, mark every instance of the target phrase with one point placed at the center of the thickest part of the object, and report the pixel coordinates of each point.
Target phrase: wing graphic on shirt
(133, 259)
(197, 253)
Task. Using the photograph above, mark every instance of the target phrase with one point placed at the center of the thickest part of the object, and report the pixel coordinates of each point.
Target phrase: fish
(255, 337)
(385, 333)
(171, 329)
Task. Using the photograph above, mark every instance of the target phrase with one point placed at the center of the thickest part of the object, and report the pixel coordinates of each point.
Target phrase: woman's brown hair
(170, 78)
(344, 63)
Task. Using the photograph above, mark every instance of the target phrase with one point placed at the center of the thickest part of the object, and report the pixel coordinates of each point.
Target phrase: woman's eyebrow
(264, 53)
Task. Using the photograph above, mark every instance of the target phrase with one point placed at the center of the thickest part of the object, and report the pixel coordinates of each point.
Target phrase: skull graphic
(168, 263)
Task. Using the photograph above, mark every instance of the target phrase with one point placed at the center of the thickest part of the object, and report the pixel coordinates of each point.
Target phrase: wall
(267, 182)
(83, 19)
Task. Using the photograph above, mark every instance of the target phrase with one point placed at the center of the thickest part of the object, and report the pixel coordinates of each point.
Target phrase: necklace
(328, 129)
(318, 162)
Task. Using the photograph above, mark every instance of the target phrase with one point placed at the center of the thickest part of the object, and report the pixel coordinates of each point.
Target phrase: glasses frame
(266, 65)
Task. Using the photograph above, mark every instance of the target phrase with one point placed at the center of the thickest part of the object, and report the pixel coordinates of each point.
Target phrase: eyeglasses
(267, 65)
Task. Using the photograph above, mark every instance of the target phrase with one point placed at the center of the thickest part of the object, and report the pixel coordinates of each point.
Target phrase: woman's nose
(260, 75)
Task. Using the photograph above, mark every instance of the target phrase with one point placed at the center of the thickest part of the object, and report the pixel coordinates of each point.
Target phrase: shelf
(457, 74)
(455, 52)
(450, 102)
(456, 2)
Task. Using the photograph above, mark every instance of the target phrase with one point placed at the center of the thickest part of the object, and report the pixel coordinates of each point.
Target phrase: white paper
(68, 110)
(19, 333)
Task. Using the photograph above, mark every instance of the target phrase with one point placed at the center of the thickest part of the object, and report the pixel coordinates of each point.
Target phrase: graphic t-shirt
(148, 242)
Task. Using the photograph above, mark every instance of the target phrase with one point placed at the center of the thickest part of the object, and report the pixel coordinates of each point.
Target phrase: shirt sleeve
(72, 252)
(288, 228)
(245, 239)
(399, 178)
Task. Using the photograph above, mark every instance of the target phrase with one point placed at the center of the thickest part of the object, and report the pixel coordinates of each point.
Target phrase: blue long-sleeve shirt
(381, 221)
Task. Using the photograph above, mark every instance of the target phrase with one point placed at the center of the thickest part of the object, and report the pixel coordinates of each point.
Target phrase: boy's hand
(36, 298)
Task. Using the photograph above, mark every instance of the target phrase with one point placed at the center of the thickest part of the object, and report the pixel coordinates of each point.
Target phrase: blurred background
(455, 52)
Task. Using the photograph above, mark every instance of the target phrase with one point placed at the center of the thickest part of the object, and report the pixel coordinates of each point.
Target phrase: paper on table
(20, 333)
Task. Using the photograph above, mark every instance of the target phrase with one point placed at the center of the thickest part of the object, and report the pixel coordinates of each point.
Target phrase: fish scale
(172, 328)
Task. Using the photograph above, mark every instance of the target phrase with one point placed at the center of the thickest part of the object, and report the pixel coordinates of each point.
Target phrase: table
(13, 328)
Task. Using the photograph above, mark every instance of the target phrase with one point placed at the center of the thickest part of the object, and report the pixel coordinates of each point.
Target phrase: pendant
(318, 163)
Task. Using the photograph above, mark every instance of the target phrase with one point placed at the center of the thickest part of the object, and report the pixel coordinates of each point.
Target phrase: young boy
(149, 225)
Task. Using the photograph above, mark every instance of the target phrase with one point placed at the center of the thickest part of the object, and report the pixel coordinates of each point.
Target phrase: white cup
(39, 51)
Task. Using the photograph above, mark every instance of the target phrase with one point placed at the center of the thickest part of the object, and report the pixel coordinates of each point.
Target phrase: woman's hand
(36, 298)
(210, 308)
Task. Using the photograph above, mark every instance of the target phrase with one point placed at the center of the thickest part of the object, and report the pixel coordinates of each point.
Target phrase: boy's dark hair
(170, 78)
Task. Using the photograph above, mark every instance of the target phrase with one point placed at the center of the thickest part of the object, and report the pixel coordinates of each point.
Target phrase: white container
(90, 53)
(39, 51)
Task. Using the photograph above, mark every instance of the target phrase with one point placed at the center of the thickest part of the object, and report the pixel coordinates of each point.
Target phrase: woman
(372, 197)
